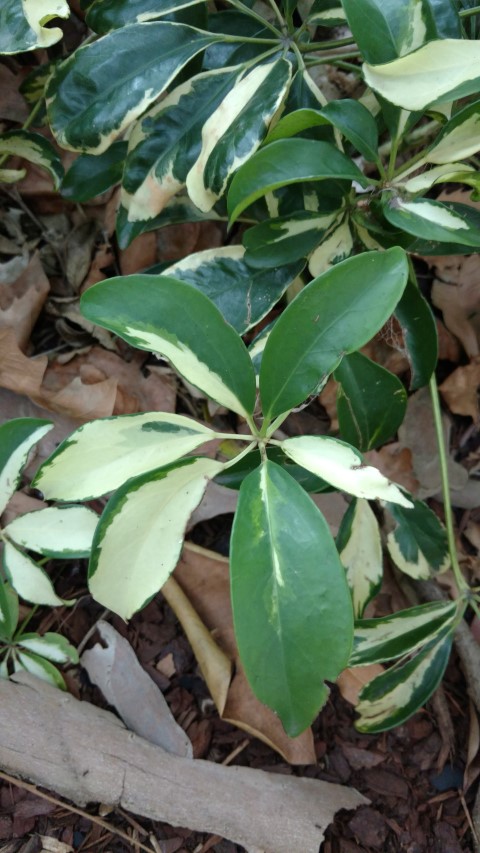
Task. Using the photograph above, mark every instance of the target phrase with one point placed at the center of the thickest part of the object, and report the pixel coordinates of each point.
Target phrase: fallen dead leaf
(102, 260)
(114, 668)
(328, 399)
(472, 765)
(395, 463)
(460, 390)
(140, 254)
(19, 504)
(78, 252)
(12, 103)
(203, 576)
(351, 680)
(22, 301)
(17, 372)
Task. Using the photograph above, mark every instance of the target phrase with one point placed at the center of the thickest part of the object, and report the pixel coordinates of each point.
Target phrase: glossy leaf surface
(371, 402)
(90, 99)
(322, 324)
(418, 544)
(167, 316)
(34, 148)
(22, 24)
(360, 550)
(291, 605)
(90, 175)
(62, 532)
(419, 331)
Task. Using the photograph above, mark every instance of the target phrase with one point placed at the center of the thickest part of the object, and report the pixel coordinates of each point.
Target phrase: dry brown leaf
(351, 681)
(460, 390)
(22, 301)
(78, 252)
(78, 399)
(19, 504)
(140, 254)
(113, 666)
(395, 463)
(448, 346)
(102, 260)
(328, 399)
(17, 372)
(472, 765)
(12, 103)
(203, 576)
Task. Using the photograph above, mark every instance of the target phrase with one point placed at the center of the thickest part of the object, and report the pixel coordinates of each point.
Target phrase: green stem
(442, 456)
(466, 13)
(277, 13)
(246, 11)
(393, 158)
(28, 617)
(325, 45)
(239, 456)
(233, 436)
(330, 60)
(251, 40)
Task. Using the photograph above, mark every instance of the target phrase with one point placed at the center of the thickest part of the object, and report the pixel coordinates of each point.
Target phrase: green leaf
(140, 534)
(417, 81)
(371, 402)
(458, 138)
(379, 640)
(232, 134)
(456, 173)
(360, 550)
(102, 455)
(8, 610)
(418, 544)
(52, 646)
(242, 294)
(419, 331)
(326, 13)
(177, 210)
(386, 29)
(167, 140)
(350, 117)
(174, 319)
(343, 467)
(22, 24)
(11, 176)
(29, 580)
(34, 148)
(234, 475)
(39, 667)
(17, 437)
(285, 239)
(91, 99)
(394, 696)
(335, 314)
(90, 175)
(285, 162)
(293, 627)
(106, 15)
(432, 220)
(63, 532)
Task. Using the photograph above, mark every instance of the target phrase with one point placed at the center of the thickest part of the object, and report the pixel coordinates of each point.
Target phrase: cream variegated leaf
(440, 69)
(22, 24)
(17, 438)
(140, 535)
(455, 172)
(29, 579)
(52, 646)
(55, 531)
(34, 148)
(343, 467)
(337, 246)
(101, 455)
(236, 129)
(362, 555)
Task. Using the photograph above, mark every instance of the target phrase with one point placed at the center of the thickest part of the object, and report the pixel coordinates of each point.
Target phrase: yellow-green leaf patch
(55, 531)
(22, 24)
(360, 550)
(140, 535)
(29, 580)
(418, 543)
(34, 148)
(17, 437)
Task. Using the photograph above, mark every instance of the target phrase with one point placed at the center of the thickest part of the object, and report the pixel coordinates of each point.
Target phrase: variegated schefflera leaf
(417, 81)
(102, 455)
(360, 549)
(418, 543)
(236, 128)
(62, 532)
(34, 148)
(432, 220)
(292, 609)
(169, 317)
(391, 698)
(341, 465)
(310, 338)
(38, 654)
(90, 99)
(285, 239)
(243, 295)
(28, 578)
(105, 15)
(391, 637)
(22, 24)
(140, 535)
(17, 438)
(166, 142)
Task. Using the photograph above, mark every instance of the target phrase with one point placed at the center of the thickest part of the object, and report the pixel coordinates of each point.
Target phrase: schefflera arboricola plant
(63, 532)
(292, 607)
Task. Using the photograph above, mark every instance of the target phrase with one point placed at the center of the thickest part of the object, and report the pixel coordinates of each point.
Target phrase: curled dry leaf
(203, 576)
(102, 260)
(17, 372)
(22, 301)
(395, 463)
(460, 390)
(351, 680)
(12, 103)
